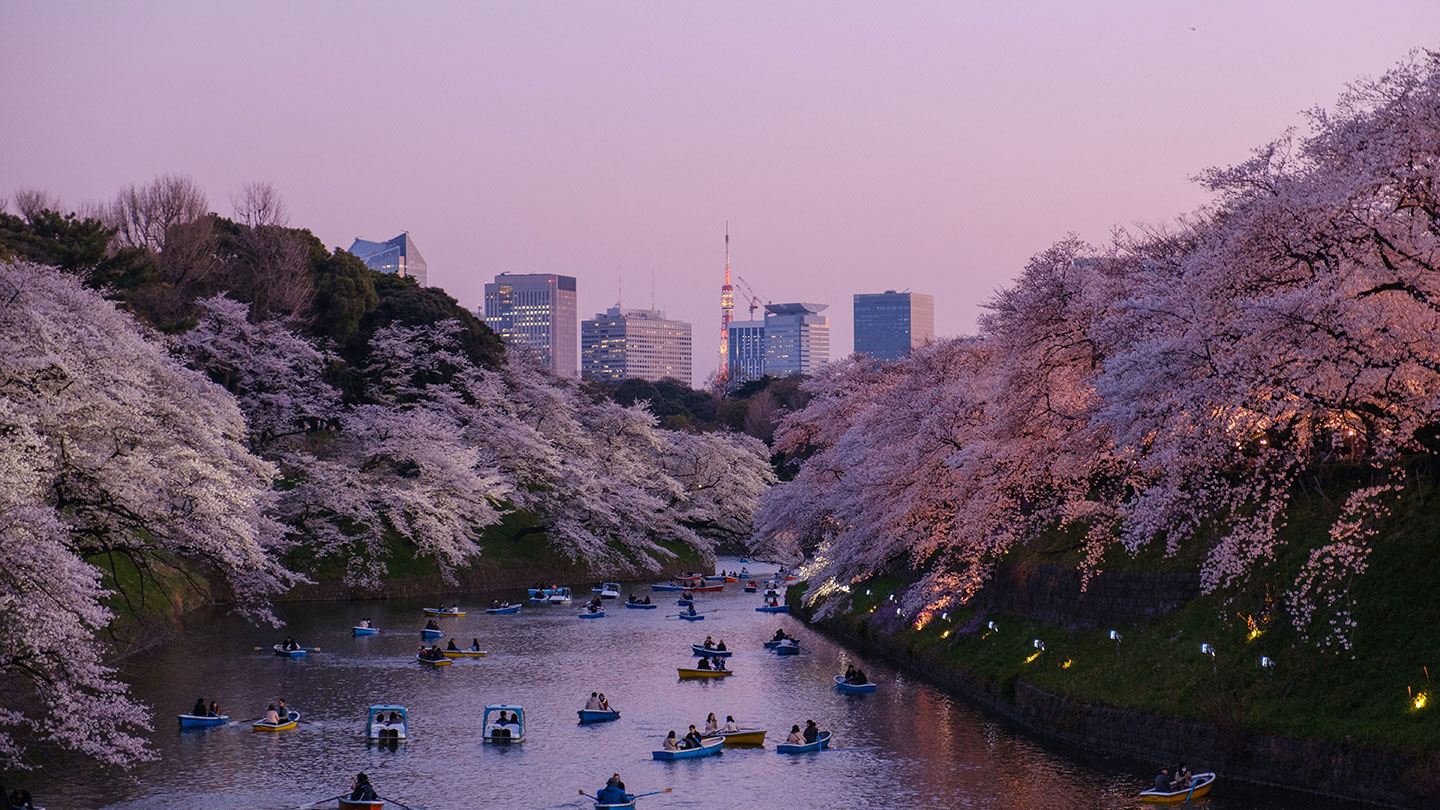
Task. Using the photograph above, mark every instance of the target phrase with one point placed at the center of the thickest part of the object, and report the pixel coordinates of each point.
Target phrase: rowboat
(284, 653)
(770, 645)
(686, 672)
(709, 746)
(773, 609)
(507, 609)
(201, 721)
(540, 599)
(684, 602)
(453, 613)
(718, 578)
(743, 560)
(706, 588)
(745, 736)
(561, 596)
(608, 590)
(687, 617)
(443, 662)
(1200, 785)
(599, 614)
(588, 716)
(750, 588)
(787, 649)
(387, 721)
(668, 588)
(710, 652)
(630, 805)
(845, 686)
(290, 720)
(821, 743)
(362, 804)
(428, 633)
(465, 653)
(640, 606)
(364, 631)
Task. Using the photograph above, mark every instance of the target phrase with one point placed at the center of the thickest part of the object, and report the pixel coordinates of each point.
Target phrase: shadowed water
(907, 745)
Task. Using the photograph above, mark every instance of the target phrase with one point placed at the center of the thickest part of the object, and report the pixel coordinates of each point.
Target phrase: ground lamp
(1206, 649)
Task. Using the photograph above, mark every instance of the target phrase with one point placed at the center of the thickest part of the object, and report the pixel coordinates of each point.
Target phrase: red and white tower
(727, 311)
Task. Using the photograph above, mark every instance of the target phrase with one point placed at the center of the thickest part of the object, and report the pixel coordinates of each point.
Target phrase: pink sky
(852, 147)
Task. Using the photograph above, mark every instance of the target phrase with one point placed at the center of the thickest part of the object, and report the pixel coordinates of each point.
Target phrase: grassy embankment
(1367, 695)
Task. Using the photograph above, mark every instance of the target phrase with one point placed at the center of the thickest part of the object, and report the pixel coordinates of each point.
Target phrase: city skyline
(853, 148)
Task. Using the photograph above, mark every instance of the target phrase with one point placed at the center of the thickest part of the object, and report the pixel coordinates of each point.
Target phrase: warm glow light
(1421, 699)
(1067, 664)
(1253, 634)
(1033, 656)
(945, 634)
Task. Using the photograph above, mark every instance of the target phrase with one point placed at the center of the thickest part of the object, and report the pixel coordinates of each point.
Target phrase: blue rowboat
(751, 589)
(630, 805)
(540, 591)
(684, 602)
(709, 746)
(743, 560)
(717, 578)
(588, 716)
(284, 653)
(845, 686)
(773, 609)
(364, 631)
(687, 617)
(197, 721)
(770, 645)
(700, 649)
(599, 614)
(510, 609)
(821, 743)
(787, 649)
(667, 587)
(641, 606)
(428, 633)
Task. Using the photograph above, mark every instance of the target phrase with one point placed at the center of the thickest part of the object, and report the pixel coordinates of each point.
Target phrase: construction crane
(756, 299)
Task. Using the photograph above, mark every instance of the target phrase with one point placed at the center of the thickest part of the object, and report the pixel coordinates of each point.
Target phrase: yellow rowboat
(464, 653)
(1200, 785)
(453, 613)
(703, 673)
(745, 736)
(290, 720)
(443, 662)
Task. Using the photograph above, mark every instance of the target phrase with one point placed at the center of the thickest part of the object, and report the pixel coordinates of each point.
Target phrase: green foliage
(76, 245)
(403, 301)
(344, 294)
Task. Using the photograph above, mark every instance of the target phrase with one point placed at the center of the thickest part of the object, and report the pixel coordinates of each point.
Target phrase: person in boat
(365, 624)
(859, 678)
(214, 709)
(21, 798)
(672, 744)
(645, 601)
(290, 644)
(691, 611)
(795, 737)
(779, 635)
(620, 783)
(730, 725)
(1162, 781)
(692, 739)
(704, 663)
(1182, 777)
(812, 731)
(721, 646)
(612, 793)
(709, 643)
(687, 595)
(272, 717)
(593, 704)
(361, 790)
(394, 718)
(474, 645)
(719, 664)
(774, 602)
(632, 599)
(850, 673)
(431, 625)
(199, 710)
(604, 703)
(451, 646)
(494, 603)
(711, 724)
(281, 710)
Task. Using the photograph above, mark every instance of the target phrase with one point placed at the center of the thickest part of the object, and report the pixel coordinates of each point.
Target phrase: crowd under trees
(1173, 387)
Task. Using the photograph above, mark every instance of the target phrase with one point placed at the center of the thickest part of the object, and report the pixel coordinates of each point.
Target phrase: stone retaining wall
(1051, 593)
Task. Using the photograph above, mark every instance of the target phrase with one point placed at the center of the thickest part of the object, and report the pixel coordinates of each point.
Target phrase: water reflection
(907, 745)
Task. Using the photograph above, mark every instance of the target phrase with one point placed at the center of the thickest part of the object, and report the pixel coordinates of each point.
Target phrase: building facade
(538, 312)
(797, 339)
(745, 351)
(889, 325)
(398, 256)
(621, 344)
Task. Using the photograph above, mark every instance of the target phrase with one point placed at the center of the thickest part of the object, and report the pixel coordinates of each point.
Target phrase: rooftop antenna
(619, 290)
(652, 287)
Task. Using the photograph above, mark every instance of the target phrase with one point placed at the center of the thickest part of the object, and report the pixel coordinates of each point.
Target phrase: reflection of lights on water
(1033, 656)
(1254, 634)
(1066, 664)
(945, 634)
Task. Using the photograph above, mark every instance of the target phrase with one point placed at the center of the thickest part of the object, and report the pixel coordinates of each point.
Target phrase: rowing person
(704, 663)
(632, 599)
(290, 644)
(812, 731)
(431, 625)
(780, 635)
(692, 739)
(199, 710)
(612, 793)
(282, 710)
(691, 611)
(709, 643)
(361, 790)
(214, 709)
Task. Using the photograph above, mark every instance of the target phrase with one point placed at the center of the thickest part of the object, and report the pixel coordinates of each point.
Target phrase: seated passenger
(271, 716)
(431, 625)
(214, 709)
(1162, 781)
(593, 704)
(361, 789)
(711, 724)
(704, 663)
(795, 738)
(199, 710)
(730, 727)
(672, 744)
(812, 731)
(451, 646)
(859, 678)
(604, 704)
(721, 645)
(474, 645)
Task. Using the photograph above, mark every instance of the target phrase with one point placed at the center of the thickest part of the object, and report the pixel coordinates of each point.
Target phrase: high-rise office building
(539, 312)
(797, 339)
(397, 256)
(889, 325)
(621, 344)
(745, 351)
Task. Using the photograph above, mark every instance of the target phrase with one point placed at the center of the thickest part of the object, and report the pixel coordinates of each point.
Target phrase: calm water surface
(907, 745)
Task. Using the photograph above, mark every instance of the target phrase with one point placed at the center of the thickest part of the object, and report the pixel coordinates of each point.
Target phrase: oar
(321, 801)
(652, 793)
(1192, 789)
(392, 801)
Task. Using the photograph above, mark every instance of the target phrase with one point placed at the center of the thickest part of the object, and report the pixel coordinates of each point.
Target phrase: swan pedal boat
(821, 743)
(608, 590)
(465, 653)
(711, 652)
(506, 609)
(561, 596)
(641, 605)
(291, 719)
(202, 721)
(845, 686)
(745, 736)
(773, 609)
(709, 746)
(599, 614)
(588, 716)
(364, 631)
(443, 662)
(284, 653)
(362, 804)
(687, 672)
(451, 612)
(1200, 785)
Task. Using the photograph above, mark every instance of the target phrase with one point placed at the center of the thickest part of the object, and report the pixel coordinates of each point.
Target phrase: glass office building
(622, 344)
(397, 256)
(797, 339)
(889, 325)
(538, 312)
